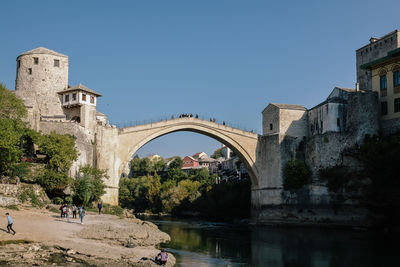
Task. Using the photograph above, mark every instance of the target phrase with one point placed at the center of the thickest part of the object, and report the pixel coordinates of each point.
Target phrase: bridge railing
(177, 116)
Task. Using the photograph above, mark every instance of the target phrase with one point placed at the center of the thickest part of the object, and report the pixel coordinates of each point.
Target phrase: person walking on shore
(10, 223)
(81, 211)
(74, 211)
(62, 210)
(68, 213)
(99, 206)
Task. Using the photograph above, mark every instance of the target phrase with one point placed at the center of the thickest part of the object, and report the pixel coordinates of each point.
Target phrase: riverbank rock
(128, 233)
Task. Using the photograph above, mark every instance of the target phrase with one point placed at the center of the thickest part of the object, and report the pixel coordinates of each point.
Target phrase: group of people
(66, 210)
(185, 115)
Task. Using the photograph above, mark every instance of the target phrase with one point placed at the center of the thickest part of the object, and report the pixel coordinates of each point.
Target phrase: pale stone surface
(38, 84)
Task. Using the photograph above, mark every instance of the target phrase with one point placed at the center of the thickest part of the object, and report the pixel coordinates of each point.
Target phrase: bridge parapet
(186, 120)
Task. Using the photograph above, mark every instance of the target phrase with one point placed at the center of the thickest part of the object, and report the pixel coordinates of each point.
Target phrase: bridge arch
(244, 143)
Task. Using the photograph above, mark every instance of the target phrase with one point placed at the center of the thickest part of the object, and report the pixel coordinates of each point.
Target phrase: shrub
(20, 169)
(12, 207)
(57, 200)
(117, 210)
(68, 199)
(54, 182)
(296, 175)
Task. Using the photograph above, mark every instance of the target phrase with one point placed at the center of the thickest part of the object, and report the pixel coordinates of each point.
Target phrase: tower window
(74, 96)
(92, 99)
(384, 108)
(271, 127)
(36, 60)
(338, 122)
(56, 63)
(83, 97)
(397, 105)
(30, 71)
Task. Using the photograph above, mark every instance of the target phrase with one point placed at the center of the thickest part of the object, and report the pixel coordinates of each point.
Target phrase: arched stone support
(115, 147)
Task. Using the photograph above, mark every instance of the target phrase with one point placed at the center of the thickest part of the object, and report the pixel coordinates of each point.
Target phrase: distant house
(190, 162)
(210, 163)
(200, 155)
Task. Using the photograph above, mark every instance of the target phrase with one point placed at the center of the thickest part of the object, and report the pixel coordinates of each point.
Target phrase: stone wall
(293, 122)
(270, 118)
(10, 194)
(390, 126)
(84, 142)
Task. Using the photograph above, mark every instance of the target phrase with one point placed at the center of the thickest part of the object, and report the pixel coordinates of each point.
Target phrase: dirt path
(101, 236)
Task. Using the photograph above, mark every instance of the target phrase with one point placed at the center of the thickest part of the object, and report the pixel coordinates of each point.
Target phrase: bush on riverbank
(178, 193)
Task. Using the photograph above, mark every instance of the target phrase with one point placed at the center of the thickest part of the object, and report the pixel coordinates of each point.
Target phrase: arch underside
(217, 134)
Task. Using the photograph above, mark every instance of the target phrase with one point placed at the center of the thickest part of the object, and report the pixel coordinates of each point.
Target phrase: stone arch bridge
(116, 146)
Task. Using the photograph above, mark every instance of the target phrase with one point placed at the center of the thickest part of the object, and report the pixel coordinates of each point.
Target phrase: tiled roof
(288, 106)
(43, 50)
(80, 87)
(350, 90)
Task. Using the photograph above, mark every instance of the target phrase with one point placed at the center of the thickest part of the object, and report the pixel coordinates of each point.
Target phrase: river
(202, 243)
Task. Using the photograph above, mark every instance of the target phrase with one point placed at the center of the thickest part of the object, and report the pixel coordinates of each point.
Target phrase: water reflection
(220, 244)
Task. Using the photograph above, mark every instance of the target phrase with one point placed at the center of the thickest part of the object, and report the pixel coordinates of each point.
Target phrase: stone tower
(41, 73)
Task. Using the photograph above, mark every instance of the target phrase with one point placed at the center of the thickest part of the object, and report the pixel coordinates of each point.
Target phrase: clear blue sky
(223, 59)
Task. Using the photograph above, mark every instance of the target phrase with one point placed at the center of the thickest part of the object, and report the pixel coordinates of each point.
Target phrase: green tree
(177, 197)
(135, 166)
(176, 163)
(201, 175)
(296, 175)
(145, 166)
(11, 107)
(133, 193)
(10, 151)
(158, 164)
(379, 156)
(12, 110)
(217, 154)
(60, 150)
(54, 182)
(90, 186)
(175, 174)
(153, 193)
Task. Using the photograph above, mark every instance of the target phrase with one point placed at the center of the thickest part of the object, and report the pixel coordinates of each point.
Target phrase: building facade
(385, 73)
(376, 49)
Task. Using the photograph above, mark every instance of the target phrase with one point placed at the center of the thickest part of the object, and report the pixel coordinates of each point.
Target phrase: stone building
(286, 119)
(385, 73)
(330, 115)
(53, 105)
(376, 49)
(79, 105)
